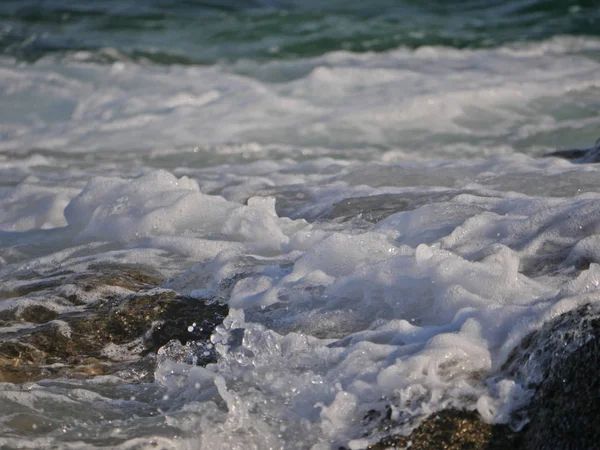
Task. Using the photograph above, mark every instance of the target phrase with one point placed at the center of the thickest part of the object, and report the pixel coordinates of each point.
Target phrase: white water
(206, 173)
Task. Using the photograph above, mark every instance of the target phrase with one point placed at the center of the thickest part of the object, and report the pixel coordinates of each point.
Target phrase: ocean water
(369, 173)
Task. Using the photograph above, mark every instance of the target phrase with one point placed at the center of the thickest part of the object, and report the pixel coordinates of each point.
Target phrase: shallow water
(370, 187)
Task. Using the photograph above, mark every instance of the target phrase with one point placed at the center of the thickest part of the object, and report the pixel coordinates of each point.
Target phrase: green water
(205, 32)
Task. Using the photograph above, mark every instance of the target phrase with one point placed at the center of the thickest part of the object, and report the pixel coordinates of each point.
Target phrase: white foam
(169, 209)
(342, 100)
(34, 206)
(330, 316)
(420, 309)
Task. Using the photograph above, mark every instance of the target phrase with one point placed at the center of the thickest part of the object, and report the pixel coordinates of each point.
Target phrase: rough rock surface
(99, 337)
(452, 429)
(561, 362)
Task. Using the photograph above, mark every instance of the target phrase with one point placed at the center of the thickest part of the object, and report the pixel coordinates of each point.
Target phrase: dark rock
(96, 276)
(196, 353)
(174, 316)
(579, 155)
(28, 288)
(140, 320)
(561, 362)
(452, 429)
(126, 276)
(38, 314)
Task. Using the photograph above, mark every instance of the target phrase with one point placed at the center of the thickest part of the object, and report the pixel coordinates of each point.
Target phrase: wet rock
(38, 314)
(27, 288)
(97, 337)
(196, 353)
(98, 275)
(20, 362)
(579, 155)
(452, 430)
(126, 276)
(159, 317)
(561, 363)
(375, 208)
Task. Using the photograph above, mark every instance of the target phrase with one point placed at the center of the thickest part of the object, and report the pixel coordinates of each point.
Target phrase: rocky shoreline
(563, 412)
(132, 319)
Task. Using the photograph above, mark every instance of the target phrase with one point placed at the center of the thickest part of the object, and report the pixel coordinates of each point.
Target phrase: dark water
(203, 32)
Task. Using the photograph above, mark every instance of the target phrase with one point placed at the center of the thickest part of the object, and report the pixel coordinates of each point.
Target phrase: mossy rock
(138, 318)
(133, 278)
(38, 314)
(452, 429)
(158, 317)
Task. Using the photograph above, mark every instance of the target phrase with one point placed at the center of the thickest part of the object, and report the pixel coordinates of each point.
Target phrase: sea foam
(369, 261)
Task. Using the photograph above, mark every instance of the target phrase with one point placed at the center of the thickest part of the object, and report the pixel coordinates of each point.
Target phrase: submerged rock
(375, 208)
(95, 338)
(97, 276)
